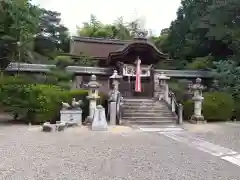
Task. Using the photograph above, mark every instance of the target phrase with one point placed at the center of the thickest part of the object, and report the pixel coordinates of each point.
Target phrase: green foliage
(204, 28)
(118, 30)
(200, 63)
(188, 109)
(52, 37)
(35, 102)
(18, 24)
(63, 61)
(180, 89)
(227, 80)
(217, 106)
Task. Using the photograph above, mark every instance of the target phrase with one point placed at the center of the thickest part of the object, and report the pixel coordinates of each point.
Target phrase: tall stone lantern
(164, 90)
(113, 106)
(93, 96)
(197, 88)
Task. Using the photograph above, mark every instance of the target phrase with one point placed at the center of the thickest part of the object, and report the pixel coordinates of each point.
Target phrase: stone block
(99, 119)
(47, 127)
(71, 117)
(61, 126)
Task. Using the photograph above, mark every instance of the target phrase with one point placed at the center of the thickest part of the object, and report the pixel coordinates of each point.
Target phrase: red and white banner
(138, 76)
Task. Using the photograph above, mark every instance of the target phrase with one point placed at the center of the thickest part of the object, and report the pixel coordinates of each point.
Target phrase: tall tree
(53, 36)
(118, 30)
(18, 25)
(204, 28)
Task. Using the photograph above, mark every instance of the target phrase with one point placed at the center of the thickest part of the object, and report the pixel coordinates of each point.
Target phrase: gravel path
(79, 154)
(224, 134)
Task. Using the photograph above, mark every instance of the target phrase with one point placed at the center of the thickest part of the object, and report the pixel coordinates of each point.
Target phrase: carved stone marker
(99, 119)
(71, 117)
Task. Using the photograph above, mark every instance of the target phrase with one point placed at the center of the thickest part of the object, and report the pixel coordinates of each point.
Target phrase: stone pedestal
(71, 117)
(113, 113)
(99, 119)
(197, 117)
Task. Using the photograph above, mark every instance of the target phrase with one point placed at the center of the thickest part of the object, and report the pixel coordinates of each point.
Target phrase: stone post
(164, 87)
(180, 114)
(115, 80)
(93, 96)
(198, 99)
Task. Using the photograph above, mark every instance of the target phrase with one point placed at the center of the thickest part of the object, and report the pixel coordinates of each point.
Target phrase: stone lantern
(164, 87)
(93, 96)
(197, 88)
(113, 106)
(115, 80)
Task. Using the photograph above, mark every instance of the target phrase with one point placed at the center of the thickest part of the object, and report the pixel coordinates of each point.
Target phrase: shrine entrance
(127, 84)
(127, 87)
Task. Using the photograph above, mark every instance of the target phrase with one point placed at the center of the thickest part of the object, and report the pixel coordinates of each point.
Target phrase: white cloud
(157, 14)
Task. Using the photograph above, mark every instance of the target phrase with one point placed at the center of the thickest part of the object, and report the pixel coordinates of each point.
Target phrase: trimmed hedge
(217, 106)
(38, 103)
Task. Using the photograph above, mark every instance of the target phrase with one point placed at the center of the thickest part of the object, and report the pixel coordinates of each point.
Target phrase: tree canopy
(203, 29)
(118, 30)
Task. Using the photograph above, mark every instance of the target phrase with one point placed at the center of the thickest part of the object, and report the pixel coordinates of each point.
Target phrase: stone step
(144, 105)
(149, 123)
(147, 114)
(143, 118)
(145, 109)
(138, 100)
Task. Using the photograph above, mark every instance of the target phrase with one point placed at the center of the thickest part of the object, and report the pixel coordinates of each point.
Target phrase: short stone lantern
(93, 96)
(164, 87)
(197, 88)
(113, 106)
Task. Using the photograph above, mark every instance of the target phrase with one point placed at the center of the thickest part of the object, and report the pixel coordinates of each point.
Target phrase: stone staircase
(147, 112)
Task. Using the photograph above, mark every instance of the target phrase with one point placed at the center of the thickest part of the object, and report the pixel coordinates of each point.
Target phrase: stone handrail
(176, 107)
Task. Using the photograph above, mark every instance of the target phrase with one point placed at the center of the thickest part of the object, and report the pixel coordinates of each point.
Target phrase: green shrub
(188, 108)
(38, 103)
(217, 106)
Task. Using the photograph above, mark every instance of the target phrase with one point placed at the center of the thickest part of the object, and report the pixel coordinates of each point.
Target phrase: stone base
(99, 122)
(97, 128)
(71, 116)
(198, 120)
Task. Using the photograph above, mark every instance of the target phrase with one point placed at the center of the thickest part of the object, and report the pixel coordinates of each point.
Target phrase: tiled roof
(95, 47)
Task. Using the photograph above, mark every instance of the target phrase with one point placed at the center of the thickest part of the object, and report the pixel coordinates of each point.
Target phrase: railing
(176, 107)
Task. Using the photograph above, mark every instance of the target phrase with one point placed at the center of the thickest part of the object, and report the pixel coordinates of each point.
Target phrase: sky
(154, 14)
